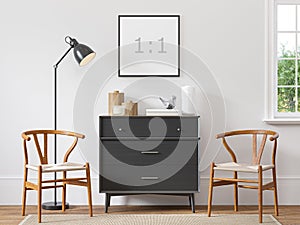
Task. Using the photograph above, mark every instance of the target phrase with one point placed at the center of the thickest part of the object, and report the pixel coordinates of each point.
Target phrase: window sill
(283, 121)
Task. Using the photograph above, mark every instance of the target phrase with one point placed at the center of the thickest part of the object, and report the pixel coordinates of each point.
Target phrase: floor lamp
(83, 55)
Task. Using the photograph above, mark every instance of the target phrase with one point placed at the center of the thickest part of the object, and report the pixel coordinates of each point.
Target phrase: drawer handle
(150, 152)
(149, 178)
(178, 129)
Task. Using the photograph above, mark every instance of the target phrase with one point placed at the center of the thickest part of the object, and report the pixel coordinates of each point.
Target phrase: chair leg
(63, 196)
(39, 194)
(275, 192)
(24, 191)
(210, 190)
(89, 189)
(236, 207)
(260, 200)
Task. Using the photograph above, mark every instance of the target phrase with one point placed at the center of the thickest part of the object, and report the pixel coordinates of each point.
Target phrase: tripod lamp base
(53, 206)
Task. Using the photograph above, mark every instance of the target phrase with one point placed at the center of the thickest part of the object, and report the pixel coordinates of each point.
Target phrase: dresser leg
(109, 197)
(107, 202)
(192, 202)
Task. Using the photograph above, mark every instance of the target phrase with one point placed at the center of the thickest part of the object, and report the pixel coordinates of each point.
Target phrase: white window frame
(272, 116)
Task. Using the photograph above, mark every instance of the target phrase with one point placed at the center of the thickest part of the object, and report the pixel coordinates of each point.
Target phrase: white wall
(227, 35)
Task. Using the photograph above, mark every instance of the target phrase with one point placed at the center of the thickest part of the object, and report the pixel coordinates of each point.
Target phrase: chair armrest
(275, 136)
(25, 137)
(221, 135)
(69, 133)
(82, 136)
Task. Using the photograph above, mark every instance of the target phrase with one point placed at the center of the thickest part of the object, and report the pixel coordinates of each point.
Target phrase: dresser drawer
(182, 180)
(143, 176)
(143, 153)
(143, 126)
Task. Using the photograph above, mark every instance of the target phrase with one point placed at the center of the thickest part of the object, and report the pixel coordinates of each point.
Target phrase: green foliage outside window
(286, 74)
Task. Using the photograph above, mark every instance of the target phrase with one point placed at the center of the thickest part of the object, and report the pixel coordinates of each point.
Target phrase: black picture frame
(158, 58)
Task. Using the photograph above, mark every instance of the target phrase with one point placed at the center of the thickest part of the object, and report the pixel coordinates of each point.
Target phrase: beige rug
(150, 219)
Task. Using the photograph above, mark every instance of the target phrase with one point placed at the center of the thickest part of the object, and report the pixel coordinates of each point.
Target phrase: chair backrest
(43, 155)
(257, 149)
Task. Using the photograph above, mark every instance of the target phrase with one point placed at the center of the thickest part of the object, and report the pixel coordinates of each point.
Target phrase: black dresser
(149, 155)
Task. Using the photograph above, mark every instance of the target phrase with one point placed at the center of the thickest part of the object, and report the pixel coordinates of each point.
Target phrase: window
(284, 59)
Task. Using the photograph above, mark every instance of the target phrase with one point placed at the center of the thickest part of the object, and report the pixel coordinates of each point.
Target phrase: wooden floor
(288, 215)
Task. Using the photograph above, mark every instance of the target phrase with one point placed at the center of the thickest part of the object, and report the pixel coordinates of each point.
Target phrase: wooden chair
(45, 167)
(254, 167)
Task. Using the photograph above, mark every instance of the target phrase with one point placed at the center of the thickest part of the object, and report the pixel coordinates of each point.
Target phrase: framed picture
(148, 45)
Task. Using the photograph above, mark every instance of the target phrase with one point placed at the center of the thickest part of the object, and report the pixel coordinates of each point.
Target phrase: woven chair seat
(67, 166)
(241, 167)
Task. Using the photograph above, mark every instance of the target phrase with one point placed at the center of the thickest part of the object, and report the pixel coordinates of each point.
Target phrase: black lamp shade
(83, 54)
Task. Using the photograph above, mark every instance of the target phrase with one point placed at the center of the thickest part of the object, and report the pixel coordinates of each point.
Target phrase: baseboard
(288, 194)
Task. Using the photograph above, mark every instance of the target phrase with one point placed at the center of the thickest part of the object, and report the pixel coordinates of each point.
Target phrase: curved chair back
(257, 149)
(43, 155)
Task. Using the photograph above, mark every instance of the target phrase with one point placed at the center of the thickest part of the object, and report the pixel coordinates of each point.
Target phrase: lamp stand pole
(55, 205)
(83, 55)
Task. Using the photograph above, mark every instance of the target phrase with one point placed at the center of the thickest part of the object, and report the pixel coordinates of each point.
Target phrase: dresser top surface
(144, 116)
